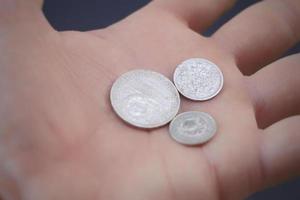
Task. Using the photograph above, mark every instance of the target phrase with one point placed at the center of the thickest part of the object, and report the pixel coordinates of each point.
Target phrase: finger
(198, 14)
(28, 15)
(275, 90)
(281, 150)
(261, 33)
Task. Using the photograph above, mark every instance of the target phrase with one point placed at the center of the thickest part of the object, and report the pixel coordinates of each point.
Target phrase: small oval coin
(145, 98)
(193, 128)
(198, 79)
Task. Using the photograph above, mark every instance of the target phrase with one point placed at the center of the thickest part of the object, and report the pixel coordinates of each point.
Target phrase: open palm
(60, 138)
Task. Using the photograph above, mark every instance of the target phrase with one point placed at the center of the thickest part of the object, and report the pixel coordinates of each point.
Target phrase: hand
(61, 140)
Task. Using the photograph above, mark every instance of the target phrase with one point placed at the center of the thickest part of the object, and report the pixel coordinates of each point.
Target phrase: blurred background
(93, 14)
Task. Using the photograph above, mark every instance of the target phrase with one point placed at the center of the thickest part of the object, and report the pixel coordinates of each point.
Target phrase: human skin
(60, 139)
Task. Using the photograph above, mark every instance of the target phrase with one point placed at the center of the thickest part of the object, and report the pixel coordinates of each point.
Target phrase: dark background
(92, 14)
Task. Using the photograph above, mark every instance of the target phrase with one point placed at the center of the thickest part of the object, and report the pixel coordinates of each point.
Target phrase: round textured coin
(145, 98)
(192, 128)
(198, 79)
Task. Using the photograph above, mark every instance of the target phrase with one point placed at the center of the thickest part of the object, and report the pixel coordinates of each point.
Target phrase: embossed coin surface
(198, 79)
(145, 98)
(192, 128)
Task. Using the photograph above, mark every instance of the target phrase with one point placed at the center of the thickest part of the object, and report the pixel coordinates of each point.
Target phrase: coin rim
(201, 140)
(201, 99)
(130, 122)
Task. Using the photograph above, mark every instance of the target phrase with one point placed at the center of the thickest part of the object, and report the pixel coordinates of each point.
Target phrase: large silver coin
(198, 79)
(192, 128)
(145, 98)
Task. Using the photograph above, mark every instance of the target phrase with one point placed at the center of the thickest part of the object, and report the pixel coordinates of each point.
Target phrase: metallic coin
(198, 79)
(192, 128)
(144, 98)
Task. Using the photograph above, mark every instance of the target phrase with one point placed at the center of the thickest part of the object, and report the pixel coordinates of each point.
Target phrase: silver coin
(192, 128)
(145, 98)
(198, 79)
